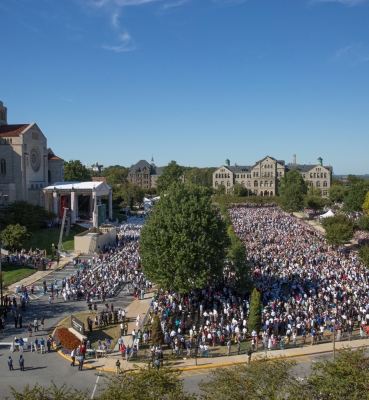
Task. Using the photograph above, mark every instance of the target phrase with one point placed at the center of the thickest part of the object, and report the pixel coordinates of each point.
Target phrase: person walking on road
(10, 363)
(42, 320)
(35, 324)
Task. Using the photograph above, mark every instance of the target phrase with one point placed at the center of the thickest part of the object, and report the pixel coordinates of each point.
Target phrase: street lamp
(5, 197)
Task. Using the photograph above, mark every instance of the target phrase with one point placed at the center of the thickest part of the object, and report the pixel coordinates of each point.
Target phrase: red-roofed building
(27, 165)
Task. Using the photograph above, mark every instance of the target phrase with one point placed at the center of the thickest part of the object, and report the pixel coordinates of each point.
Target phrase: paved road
(42, 368)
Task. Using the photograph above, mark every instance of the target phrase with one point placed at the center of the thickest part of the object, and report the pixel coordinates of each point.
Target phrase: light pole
(5, 197)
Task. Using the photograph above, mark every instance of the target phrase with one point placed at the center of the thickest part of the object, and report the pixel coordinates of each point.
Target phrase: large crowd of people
(308, 289)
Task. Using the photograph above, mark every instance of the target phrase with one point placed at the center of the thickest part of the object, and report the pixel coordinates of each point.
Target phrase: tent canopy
(329, 213)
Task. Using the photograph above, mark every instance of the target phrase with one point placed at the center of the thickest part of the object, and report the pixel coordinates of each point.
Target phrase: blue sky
(196, 81)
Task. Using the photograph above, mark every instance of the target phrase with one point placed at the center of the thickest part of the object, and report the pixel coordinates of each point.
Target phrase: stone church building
(27, 165)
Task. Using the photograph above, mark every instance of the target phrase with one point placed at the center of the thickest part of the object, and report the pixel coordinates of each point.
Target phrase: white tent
(329, 213)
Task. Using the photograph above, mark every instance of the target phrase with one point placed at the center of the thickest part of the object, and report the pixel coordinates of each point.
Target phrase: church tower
(3, 114)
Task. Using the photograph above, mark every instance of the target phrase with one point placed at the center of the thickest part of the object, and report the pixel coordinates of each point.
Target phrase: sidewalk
(107, 364)
(37, 276)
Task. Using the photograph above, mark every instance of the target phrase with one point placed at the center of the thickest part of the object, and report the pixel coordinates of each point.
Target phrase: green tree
(365, 205)
(314, 199)
(262, 379)
(75, 171)
(255, 312)
(338, 229)
(157, 333)
(183, 244)
(356, 194)
(292, 190)
(171, 173)
(26, 214)
(363, 223)
(364, 255)
(238, 266)
(337, 193)
(13, 236)
(346, 377)
(37, 392)
(221, 189)
(148, 384)
(115, 174)
(239, 191)
(200, 176)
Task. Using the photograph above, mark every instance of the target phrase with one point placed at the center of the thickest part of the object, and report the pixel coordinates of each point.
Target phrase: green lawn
(14, 273)
(44, 238)
(111, 331)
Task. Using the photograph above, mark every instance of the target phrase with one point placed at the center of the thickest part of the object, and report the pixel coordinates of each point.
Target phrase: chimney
(294, 159)
(235, 164)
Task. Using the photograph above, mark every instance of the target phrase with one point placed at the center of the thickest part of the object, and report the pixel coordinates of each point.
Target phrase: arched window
(261, 183)
(243, 183)
(216, 183)
(3, 167)
(271, 184)
(318, 184)
(228, 183)
(325, 175)
(256, 183)
(266, 183)
(325, 184)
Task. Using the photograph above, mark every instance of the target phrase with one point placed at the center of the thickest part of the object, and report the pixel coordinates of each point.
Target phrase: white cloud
(342, 51)
(115, 19)
(349, 3)
(121, 3)
(353, 55)
(175, 4)
(126, 44)
(226, 3)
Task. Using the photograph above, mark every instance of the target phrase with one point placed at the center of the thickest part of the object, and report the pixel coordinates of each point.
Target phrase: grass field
(44, 238)
(14, 273)
(111, 331)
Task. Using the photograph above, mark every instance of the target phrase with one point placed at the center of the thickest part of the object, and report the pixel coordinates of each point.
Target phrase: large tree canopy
(115, 174)
(171, 173)
(26, 214)
(200, 176)
(75, 171)
(14, 236)
(356, 194)
(184, 242)
(292, 190)
(338, 229)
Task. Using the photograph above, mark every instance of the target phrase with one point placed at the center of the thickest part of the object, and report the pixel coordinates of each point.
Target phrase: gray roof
(240, 168)
(306, 167)
(138, 167)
